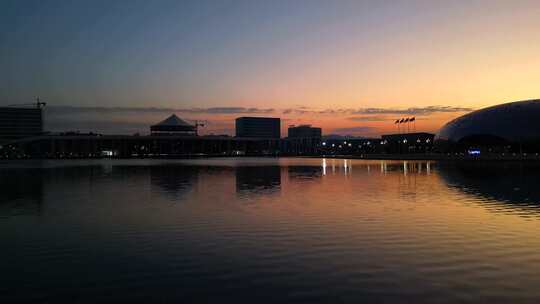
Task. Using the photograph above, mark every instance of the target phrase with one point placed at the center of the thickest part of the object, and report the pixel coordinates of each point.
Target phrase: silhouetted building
(303, 139)
(406, 143)
(509, 127)
(258, 127)
(17, 123)
(89, 146)
(173, 126)
(304, 131)
(348, 146)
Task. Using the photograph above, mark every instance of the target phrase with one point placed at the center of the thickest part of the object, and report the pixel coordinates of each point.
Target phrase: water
(268, 231)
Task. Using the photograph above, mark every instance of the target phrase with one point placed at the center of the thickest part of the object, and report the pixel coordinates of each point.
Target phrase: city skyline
(350, 67)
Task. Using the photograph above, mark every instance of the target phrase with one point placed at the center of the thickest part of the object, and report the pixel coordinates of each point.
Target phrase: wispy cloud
(215, 110)
(127, 120)
(299, 110)
(96, 125)
(253, 110)
(373, 111)
(228, 110)
(413, 111)
(370, 118)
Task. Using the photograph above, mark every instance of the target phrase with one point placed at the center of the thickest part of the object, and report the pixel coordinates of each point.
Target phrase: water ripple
(269, 231)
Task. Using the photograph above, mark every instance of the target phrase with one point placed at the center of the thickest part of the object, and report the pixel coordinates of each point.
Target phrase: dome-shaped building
(505, 127)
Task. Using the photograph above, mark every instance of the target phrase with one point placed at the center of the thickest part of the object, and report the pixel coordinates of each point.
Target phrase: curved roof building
(515, 122)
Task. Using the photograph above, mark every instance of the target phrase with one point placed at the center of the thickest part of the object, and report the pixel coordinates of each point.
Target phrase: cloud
(413, 111)
(122, 120)
(60, 110)
(119, 125)
(300, 111)
(370, 118)
(428, 110)
(128, 120)
(229, 110)
(95, 125)
(335, 111)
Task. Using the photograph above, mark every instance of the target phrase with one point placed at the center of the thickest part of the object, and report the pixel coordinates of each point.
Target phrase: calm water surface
(269, 230)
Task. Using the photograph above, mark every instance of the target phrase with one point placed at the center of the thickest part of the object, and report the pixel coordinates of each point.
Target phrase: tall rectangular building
(260, 127)
(16, 123)
(303, 139)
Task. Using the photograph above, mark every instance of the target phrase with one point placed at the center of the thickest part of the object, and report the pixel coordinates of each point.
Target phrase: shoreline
(413, 157)
(436, 157)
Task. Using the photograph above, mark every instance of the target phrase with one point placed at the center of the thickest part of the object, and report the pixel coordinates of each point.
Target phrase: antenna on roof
(40, 103)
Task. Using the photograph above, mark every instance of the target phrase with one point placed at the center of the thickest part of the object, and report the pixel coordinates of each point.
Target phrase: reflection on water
(173, 180)
(512, 185)
(269, 230)
(22, 192)
(304, 172)
(258, 180)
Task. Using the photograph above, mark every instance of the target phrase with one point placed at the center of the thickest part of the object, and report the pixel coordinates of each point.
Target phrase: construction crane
(39, 104)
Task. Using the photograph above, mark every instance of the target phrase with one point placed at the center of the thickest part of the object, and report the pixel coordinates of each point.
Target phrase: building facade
(258, 127)
(127, 146)
(304, 131)
(351, 146)
(408, 143)
(303, 140)
(17, 123)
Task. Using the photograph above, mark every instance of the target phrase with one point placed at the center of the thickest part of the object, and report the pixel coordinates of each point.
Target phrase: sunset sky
(351, 67)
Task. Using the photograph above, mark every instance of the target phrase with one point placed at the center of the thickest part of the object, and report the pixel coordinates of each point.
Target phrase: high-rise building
(303, 139)
(259, 127)
(16, 123)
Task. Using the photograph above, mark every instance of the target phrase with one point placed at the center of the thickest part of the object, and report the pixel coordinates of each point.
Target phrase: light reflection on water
(269, 230)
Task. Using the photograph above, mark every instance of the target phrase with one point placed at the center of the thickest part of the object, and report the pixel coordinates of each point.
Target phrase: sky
(350, 67)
